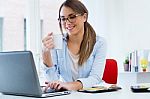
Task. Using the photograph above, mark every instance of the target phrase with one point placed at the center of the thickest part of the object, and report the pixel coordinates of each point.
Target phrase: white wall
(124, 24)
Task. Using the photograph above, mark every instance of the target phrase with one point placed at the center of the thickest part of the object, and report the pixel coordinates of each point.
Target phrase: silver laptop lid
(18, 74)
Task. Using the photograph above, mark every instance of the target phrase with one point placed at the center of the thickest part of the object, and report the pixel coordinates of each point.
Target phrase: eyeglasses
(71, 18)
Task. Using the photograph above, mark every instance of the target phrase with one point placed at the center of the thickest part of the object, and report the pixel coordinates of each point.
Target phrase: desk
(124, 93)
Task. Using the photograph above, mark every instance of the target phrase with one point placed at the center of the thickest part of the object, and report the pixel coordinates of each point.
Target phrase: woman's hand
(58, 85)
(48, 41)
(47, 45)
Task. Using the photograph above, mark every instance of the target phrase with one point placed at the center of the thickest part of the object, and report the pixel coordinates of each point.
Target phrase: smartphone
(140, 88)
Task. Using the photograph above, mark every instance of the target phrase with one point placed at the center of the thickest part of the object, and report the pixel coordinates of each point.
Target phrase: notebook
(100, 89)
(18, 75)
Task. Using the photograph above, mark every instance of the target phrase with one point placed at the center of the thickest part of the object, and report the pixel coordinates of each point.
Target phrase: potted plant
(144, 64)
(126, 64)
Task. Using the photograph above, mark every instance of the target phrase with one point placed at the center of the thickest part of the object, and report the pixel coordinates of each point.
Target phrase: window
(11, 26)
(21, 28)
(25, 32)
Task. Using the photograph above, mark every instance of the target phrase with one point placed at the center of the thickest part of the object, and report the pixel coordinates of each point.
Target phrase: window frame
(1, 33)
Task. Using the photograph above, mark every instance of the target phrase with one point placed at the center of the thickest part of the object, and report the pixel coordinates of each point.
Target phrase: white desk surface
(124, 93)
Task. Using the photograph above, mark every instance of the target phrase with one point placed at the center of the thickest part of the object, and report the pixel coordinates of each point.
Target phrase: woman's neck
(76, 39)
(74, 43)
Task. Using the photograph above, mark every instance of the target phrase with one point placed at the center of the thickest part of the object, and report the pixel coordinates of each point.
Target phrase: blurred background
(123, 23)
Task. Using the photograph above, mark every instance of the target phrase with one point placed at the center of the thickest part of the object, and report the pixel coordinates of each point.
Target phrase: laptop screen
(18, 74)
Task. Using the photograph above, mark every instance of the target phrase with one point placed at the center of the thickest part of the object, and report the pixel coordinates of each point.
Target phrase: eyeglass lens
(71, 18)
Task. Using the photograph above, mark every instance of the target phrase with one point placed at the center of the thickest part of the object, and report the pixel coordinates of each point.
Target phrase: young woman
(81, 62)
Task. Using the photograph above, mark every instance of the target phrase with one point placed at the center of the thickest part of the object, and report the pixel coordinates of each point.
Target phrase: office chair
(110, 72)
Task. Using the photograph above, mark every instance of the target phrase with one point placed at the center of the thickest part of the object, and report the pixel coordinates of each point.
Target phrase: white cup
(58, 41)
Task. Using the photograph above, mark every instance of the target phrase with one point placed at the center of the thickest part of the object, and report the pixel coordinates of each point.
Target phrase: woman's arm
(49, 64)
(47, 46)
(47, 59)
(51, 72)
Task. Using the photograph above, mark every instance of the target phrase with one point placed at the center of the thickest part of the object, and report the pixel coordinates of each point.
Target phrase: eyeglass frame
(67, 19)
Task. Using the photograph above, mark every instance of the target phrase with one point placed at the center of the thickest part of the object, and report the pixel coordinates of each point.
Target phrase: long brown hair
(89, 37)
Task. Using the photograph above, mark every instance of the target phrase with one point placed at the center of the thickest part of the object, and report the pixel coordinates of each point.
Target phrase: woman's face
(71, 21)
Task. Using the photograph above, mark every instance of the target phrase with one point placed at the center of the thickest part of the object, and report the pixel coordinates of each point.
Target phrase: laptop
(18, 75)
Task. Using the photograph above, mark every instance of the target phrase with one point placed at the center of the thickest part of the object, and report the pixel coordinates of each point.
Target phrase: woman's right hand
(48, 42)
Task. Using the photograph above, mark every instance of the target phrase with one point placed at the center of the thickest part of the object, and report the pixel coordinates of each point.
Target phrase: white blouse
(74, 65)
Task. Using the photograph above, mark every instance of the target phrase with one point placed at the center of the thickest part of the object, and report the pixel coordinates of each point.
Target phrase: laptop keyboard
(52, 92)
(56, 93)
(48, 91)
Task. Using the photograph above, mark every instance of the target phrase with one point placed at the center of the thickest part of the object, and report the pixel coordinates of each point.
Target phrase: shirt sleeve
(96, 73)
(51, 73)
